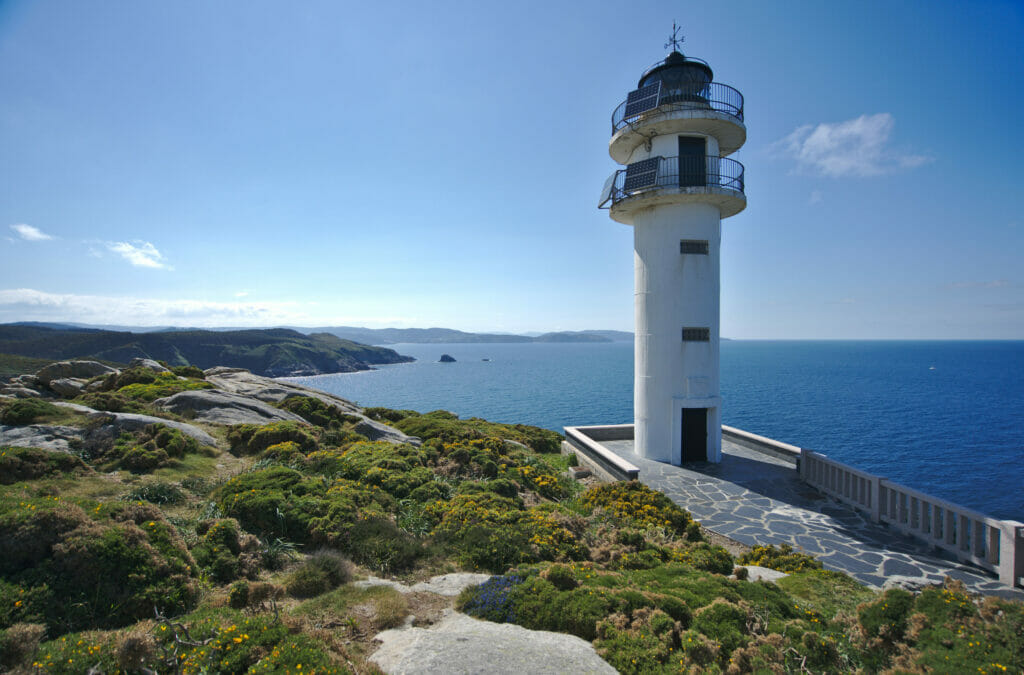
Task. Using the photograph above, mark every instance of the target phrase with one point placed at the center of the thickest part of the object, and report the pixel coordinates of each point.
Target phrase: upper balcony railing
(659, 173)
(710, 96)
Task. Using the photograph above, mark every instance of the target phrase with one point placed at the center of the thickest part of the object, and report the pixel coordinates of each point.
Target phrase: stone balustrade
(995, 545)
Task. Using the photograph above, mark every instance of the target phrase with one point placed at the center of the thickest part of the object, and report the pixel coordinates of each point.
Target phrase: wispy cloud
(27, 304)
(997, 283)
(139, 254)
(857, 147)
(816, 197)
(29, 233)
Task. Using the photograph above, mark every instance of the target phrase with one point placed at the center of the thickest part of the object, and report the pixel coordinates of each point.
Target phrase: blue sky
(438, 164)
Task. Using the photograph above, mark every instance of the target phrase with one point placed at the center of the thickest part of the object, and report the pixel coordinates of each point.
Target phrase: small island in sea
(173, 519)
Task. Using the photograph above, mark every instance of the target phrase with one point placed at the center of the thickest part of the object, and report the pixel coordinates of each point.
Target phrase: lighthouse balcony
(675, 180)
(708, 108)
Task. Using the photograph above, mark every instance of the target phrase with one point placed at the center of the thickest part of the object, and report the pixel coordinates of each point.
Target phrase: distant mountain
(382, 336)
(274, 352)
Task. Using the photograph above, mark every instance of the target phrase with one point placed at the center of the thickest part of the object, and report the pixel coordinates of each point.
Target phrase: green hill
(274, 353)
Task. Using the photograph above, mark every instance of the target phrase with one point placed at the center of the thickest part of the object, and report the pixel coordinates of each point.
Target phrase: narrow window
(693, 246)
(696, 335)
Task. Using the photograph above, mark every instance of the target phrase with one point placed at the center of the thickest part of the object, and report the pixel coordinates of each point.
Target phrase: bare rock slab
(459, 644)
(220, 407)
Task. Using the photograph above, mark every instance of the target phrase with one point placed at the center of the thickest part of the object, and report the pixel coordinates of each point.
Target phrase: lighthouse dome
(679, 75)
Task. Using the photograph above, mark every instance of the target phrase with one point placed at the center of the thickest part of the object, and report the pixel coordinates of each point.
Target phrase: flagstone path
(758, 499)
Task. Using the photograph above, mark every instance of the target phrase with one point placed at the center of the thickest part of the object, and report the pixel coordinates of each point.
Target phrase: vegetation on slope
(275, 352)
(242, 561)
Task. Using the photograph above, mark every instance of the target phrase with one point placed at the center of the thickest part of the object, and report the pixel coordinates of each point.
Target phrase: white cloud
(29, 233)
(26, 304)
(857, 147)
(241, 294)
(139, 254)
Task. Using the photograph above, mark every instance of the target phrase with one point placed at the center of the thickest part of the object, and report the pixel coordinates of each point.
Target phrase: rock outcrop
(446, 358)
(220, 407)
(81, 370)
(460, 644)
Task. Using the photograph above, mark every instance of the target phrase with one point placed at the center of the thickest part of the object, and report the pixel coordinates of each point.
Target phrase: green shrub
(155, 492)
(631, 503)
(252, 439)
(161, 386)
(387, 414)
(128, 376)
(707, 557)
(155, 446)
(21, 464)
(561, 577)
(395, 469)
(111, 402)
(380, 545)
(723, 622)
(28, 410)
(73, 569)
(886, 617)
(317, 412)
(445, 426)
(281, 502)
(224, 552)
(783, 559)
(308, 581)
(189, 371)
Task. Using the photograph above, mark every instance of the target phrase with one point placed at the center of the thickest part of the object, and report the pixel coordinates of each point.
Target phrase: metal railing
(659, 173)
(711, 96)
(996, 545)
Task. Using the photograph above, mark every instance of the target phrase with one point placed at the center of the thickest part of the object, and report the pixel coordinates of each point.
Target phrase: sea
(943, 417)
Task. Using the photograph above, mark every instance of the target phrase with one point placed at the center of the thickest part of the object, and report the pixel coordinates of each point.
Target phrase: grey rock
(912, 584)
(459, 644)
(148, 363)
(376, 431)
(68, 387)
(49, 437)
(25, 380)
(448, 585)
(242, 382)
(758, 573)
(135, 422)
(446, 358)
(19, 392)
(221, 407)
(75, 369)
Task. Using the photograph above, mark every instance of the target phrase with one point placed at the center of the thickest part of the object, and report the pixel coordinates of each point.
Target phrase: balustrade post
(1011, 552)
(875, 486)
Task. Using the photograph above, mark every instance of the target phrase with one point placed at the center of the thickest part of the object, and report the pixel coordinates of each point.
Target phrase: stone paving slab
(759, 499)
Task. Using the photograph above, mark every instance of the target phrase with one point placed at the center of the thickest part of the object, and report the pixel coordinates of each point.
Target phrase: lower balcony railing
(659, 173)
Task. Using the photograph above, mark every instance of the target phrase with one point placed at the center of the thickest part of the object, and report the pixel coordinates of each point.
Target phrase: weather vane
(676, 39)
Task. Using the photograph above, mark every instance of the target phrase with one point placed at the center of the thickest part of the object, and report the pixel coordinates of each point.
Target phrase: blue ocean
(944, 417)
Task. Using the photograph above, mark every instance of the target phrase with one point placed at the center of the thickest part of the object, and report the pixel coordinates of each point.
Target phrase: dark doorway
(695, 435)
(692, 162)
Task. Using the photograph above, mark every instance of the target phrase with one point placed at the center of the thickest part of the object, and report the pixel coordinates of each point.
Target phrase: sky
(417, 164)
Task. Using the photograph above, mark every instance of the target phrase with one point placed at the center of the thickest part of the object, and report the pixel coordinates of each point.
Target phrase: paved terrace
(758, 499)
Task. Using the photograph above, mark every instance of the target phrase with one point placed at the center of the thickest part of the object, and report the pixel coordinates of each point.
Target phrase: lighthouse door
(692, 162)
(694, 435)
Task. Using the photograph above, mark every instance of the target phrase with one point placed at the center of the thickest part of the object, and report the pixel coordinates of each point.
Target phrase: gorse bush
(445, 426)
(73, 566)
(634, 504)
(317, 412)
(27, 410)
(21, 464)
(161, 385)
(252, 439)
(156, 446)
(783, 558)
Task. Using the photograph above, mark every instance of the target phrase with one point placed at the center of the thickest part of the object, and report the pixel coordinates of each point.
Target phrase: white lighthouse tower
(674, 134)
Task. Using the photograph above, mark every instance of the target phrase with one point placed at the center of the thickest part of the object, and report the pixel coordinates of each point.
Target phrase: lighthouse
(674, 134)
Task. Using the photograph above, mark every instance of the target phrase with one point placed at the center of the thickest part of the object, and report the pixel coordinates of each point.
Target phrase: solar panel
(643, 99)
(606, 191)
(641, 174)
